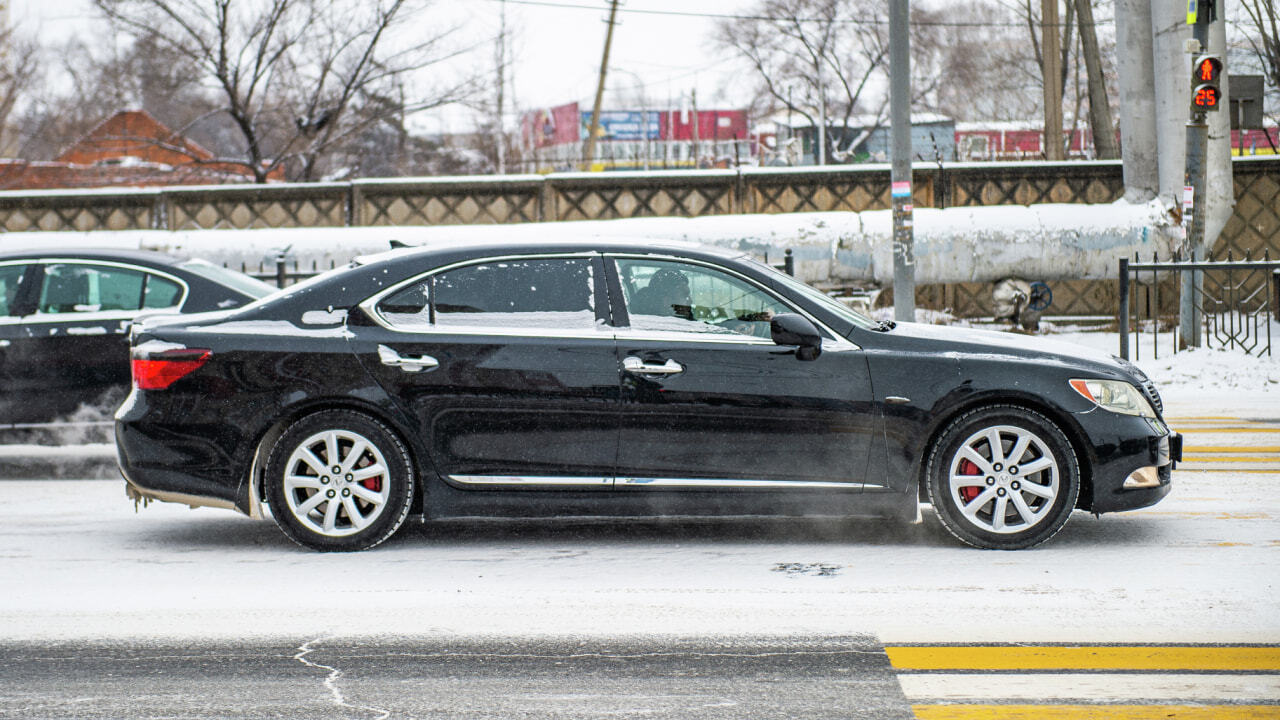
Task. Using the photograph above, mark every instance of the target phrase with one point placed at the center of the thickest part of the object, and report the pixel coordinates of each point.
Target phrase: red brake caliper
(969, 492)
(374, 483)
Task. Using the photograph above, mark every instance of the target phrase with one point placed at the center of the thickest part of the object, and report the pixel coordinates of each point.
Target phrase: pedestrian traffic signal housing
(1206, 93)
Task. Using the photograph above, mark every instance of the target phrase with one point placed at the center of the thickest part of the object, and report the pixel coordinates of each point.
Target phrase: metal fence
(1253, 228)
(1238, 301)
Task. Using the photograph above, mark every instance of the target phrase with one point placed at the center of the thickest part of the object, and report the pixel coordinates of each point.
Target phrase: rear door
(710, 402)
(507, 368)
(76, 333)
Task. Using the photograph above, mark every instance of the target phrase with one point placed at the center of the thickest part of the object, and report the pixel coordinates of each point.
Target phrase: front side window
(542, 293)
(663, 295)
(84, 288)
(10, 278)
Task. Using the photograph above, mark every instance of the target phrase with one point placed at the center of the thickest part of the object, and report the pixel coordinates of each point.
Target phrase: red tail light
(157, 371)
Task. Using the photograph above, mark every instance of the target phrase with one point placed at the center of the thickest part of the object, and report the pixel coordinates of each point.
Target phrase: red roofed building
(128, 149)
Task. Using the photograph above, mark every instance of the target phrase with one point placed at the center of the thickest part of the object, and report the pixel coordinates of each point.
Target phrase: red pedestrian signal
(1206, 95)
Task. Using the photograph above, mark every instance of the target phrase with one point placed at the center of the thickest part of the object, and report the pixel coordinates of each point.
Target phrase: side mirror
(792, 329)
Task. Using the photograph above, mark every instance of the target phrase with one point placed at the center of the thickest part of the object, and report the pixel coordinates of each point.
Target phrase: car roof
(604, 243)
(145, 257)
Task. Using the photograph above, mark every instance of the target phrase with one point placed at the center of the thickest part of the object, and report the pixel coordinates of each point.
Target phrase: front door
(507, 368)
(709, 401)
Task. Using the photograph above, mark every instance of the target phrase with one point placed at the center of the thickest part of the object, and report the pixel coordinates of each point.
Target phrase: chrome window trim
(835, 341)
(369, 305)
(105, 314)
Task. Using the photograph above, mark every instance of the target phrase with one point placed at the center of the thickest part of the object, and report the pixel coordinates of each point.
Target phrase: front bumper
(1138, 472)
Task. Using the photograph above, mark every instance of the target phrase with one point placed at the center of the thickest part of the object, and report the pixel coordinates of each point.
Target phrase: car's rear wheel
(1003, 477)
(339, 480)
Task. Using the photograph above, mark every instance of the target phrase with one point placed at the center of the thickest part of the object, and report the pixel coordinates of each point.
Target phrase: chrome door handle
(391, 358)
(634, 364)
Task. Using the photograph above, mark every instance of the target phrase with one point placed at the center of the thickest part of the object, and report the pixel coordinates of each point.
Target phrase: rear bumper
(159, 464)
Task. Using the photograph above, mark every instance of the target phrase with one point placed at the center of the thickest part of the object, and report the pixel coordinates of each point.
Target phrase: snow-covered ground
(1207, 377)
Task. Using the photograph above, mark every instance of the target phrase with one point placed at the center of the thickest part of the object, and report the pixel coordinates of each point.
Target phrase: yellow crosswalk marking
(1232, 449)
(1252, 658)
(1096, 712)
(1230, 458)
(1236, 430)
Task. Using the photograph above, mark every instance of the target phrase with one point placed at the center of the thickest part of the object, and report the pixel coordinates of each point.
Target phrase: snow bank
(1037, 242)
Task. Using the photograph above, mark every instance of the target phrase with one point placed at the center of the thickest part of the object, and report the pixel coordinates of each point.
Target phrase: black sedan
(65, 318)
(621, 378)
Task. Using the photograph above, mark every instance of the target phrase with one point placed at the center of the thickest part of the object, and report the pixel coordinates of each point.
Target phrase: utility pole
(1199, 14)
(1051, 50)
(693, 97)
(501, 52)
(904, 261)
(590, 150)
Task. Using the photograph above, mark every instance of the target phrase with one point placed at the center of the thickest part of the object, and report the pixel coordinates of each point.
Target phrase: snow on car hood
(1008, 344)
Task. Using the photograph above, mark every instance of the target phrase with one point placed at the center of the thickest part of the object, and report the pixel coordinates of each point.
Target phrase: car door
(505, 366)
(77, 331)
(709, 401)
(15, 285)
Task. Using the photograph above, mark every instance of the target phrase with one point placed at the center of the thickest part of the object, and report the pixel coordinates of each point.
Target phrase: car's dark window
(161, 293)
(671, 296)
(10, 278)
(551, 293)
(84, 288)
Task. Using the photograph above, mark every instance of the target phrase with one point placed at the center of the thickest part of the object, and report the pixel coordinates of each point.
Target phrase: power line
(767, 18)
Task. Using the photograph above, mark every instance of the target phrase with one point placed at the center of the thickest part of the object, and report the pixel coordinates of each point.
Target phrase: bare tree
(811, 59)
(299, 78)
(1104, 132)
(1263, 36)
(19, 65)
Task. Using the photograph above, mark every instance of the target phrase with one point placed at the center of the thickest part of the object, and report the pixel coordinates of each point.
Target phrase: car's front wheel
(1003, 477)
(339, 480)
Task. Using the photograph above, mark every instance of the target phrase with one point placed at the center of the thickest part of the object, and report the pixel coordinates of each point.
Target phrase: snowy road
(84, 575)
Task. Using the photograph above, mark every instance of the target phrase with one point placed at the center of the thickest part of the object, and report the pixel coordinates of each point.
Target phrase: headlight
(1114, 395)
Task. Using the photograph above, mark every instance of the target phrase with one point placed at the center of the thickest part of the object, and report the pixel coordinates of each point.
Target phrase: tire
(1015, 500)
(339, 481)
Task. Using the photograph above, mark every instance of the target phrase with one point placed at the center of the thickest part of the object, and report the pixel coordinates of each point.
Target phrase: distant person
(666, 295)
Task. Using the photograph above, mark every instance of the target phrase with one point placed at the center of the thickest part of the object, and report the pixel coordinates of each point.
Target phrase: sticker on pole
(901, 188)
(1188, 198)
(1192, 12)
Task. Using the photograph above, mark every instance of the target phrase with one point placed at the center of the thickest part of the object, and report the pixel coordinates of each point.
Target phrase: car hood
(971, 342)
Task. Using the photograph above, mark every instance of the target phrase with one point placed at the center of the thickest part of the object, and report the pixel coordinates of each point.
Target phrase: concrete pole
(1051, 50)
(904, 261)
(1219, 198)
(1136, 79)
(1197, 134)
(1173, 94)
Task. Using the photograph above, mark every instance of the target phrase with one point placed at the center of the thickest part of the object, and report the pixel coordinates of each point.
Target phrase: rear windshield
(233, 279)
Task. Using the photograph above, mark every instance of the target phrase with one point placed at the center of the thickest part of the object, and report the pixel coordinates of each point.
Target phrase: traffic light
(1206, 94)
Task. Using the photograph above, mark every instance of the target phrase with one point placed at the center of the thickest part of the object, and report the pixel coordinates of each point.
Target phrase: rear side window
(10, 278)
(544, 293)
(87, 288)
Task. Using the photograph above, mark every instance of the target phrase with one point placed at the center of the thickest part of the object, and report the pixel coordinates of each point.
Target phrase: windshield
(826, 301)
(233, 279)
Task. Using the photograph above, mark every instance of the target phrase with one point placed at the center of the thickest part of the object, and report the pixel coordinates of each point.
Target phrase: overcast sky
(557, 46)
